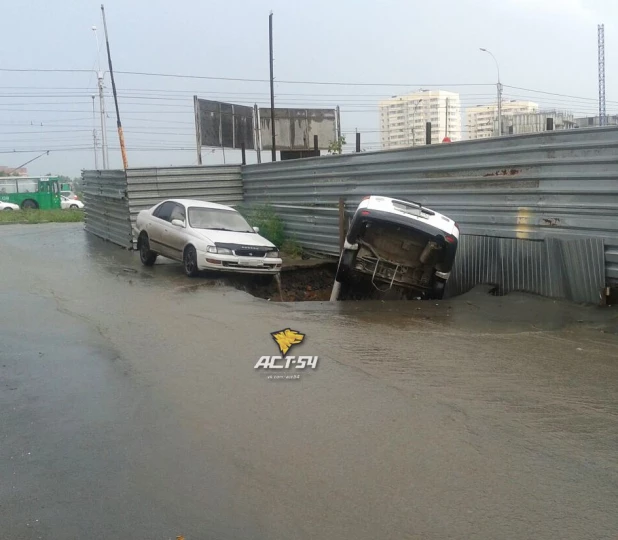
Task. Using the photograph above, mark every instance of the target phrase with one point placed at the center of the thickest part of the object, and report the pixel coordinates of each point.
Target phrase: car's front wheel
(147, 256)
(8, 208)
(73, 207)
(189, 260)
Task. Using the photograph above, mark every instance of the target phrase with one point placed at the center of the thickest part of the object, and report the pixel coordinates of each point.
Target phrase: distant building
(522, 123)
(595, 121)
(23, 171)
(481, 121)
(403, 118)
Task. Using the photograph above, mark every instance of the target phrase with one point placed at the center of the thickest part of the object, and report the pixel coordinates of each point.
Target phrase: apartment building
(403, 118)
(481, 121)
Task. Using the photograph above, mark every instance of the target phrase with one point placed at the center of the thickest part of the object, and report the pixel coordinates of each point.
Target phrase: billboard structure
(295, 128)
(224, 125)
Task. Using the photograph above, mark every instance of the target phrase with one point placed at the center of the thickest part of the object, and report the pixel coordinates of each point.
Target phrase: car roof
(200, 204)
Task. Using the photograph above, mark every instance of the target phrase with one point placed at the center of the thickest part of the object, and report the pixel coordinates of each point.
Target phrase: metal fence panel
(107, 206)
(561, 185)
(555, 267)
(147, 187)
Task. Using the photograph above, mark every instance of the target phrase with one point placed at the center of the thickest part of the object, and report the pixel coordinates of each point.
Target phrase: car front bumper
(241, 265)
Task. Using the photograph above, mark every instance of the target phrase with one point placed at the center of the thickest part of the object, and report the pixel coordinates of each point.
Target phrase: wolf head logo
(286, 339)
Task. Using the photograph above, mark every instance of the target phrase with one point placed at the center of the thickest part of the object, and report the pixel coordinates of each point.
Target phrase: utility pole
(272, 86)
(499, 87)
(338, 112)
(601, 45)
(123, 150)
(104, 151)
(94, 135)
(198, 130)
(258, 138)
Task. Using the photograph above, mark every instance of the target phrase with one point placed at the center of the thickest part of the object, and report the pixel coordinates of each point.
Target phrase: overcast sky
(396, 45)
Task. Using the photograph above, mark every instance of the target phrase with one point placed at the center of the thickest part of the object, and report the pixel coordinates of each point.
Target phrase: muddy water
(130, 407)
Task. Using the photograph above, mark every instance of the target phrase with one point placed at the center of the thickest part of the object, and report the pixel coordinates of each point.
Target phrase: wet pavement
(129, 408)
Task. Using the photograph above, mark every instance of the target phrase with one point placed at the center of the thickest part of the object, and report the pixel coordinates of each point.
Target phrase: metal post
(198, 130)
(338, 112)
(428, 133)
(342, 230)
(272, 87)
(258, 138)
(358, 146)
(104, 152)
(123, 150)
(550, 124)
(315, 143)
(601, 51)
(242, 153)
(499, 87)
(94, 135)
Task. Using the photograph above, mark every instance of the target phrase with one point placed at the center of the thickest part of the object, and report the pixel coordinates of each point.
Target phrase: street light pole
(499, 86)
(104, 149)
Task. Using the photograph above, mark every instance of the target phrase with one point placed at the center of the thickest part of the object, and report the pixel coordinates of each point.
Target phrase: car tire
(9, 209)
(189, 261)
(437, 291)
(73, 207)
(146, 255)
(29, 204)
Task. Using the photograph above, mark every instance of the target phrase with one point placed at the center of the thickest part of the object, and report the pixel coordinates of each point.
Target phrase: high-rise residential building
(403, 118)
(481, 120)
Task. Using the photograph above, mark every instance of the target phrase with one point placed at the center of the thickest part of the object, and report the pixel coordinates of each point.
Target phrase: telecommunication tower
(601, 35)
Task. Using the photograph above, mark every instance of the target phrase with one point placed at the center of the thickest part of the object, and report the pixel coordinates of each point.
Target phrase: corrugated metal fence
(537, 212)
(520, 190)
(107, 206)
(147, 187)
(113, 198)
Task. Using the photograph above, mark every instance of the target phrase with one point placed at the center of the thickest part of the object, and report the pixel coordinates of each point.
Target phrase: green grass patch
(265, 217)
(40, 216)
(292, 249)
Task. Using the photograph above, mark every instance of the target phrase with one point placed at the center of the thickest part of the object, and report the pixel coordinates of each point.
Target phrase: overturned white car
(395, 243)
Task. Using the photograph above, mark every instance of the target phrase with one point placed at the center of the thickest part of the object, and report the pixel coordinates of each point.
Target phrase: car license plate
(252, 262)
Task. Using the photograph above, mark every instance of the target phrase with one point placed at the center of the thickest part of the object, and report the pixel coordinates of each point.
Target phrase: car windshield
(217, 219)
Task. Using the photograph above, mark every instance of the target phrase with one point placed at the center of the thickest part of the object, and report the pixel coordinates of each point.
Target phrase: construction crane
(601, 36)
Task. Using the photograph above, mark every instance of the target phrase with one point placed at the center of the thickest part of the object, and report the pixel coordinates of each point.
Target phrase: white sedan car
(70, 204)
(8, 206)
(204, 236)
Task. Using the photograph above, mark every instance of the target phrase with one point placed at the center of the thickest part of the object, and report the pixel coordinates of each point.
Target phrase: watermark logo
(285, 340)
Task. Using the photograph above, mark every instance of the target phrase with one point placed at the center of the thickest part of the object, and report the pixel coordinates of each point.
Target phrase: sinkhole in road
(299, 283)
(314, 282)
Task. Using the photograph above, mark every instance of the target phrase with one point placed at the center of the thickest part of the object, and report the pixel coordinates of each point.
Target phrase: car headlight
(272, 254)
(219, 250)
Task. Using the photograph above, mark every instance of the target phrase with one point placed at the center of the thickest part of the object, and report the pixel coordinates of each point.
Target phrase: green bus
(31, 192)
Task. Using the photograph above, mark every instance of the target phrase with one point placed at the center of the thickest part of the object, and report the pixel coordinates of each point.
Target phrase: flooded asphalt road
(129, 408)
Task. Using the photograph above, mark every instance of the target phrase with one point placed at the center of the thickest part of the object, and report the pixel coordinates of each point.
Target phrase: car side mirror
(178, 222)
(256, 229)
